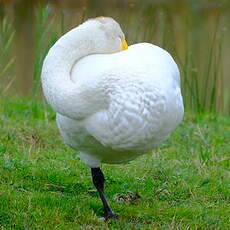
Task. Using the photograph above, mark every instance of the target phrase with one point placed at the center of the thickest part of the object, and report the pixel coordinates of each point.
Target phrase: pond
(196, 33)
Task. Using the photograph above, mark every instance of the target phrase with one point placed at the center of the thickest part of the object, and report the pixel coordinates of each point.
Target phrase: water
(196, 34)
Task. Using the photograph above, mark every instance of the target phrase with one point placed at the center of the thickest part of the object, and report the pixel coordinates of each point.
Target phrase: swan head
(107, 35)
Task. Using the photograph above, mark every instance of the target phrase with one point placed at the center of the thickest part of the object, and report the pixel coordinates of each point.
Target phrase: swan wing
(133, 98)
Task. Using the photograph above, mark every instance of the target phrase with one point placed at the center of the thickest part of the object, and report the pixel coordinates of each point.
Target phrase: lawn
(183, 184)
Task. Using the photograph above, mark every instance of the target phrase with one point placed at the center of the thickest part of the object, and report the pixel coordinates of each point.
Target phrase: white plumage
(111, 105)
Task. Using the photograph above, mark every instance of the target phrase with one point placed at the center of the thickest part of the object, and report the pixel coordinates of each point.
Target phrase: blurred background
(195, 32)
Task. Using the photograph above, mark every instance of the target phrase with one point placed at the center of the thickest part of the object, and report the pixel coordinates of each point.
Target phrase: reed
(195, 39)
(7, 33)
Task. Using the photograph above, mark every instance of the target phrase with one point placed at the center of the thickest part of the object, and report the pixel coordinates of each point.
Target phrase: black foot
(110, 216)
(98, 181)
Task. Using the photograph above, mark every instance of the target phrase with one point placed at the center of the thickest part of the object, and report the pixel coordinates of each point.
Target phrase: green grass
(183, 184)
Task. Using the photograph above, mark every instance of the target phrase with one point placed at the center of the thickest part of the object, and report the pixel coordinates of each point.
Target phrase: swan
(113, 102)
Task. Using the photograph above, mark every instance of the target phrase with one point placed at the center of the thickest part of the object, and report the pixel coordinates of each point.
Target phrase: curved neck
(62, 94)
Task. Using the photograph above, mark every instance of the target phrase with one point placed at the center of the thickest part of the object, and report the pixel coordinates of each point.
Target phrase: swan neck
(71, 47)
(58, 88)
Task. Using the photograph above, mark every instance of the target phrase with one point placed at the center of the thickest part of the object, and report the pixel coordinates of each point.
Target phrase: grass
(183, 184)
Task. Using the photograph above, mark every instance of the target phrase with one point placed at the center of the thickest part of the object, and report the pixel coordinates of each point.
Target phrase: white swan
(112, 103)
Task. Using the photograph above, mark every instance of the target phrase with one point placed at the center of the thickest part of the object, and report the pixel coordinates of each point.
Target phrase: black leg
(98, 181)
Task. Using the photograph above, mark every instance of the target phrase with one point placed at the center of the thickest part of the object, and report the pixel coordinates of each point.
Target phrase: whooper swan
(113, 103)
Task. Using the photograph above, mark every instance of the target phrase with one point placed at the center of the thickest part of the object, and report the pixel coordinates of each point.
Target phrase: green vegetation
(184, 184)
